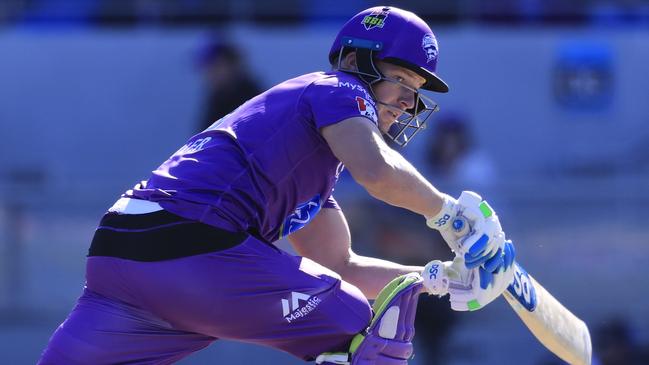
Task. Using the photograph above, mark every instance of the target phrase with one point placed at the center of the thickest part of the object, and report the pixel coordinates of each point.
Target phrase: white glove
(469, 289)
(472, 230)
(437, 276)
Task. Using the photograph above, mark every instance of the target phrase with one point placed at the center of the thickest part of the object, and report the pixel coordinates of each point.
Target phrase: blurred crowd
(191, 12)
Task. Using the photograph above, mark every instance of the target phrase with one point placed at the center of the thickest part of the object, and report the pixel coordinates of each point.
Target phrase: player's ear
(349, 61)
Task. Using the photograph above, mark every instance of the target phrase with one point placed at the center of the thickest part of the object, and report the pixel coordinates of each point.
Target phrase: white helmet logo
(429, 45)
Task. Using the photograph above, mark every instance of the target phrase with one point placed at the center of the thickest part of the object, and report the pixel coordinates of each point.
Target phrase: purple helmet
(396, 36)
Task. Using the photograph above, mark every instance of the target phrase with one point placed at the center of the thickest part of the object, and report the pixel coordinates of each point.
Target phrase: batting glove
(469, 289)
(472, 230)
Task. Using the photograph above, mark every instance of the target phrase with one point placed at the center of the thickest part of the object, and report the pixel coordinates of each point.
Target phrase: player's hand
(483, 286)
(472, 229)
(469, 289)
(437, 277)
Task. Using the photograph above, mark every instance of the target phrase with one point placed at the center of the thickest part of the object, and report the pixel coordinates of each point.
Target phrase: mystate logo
(353, 86)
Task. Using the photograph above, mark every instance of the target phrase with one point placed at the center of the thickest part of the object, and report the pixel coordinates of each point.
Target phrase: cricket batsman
(187, 257)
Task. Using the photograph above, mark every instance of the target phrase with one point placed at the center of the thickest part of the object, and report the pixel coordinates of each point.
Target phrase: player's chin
(385, 124)
(386, 120)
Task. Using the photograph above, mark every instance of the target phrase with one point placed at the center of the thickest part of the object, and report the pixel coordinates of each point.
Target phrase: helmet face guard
(410, 121)
(413, 120)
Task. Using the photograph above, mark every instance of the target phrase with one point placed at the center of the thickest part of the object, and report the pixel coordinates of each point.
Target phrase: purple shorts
(159, 312)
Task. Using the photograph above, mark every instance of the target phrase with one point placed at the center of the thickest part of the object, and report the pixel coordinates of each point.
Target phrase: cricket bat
(550, 322)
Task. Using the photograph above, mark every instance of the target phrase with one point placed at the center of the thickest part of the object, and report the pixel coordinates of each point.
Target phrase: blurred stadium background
(95, 94)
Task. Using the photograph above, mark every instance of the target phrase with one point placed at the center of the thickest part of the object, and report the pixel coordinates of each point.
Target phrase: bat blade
(549, 321)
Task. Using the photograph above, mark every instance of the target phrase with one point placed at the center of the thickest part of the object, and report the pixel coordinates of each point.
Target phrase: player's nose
(407, 100)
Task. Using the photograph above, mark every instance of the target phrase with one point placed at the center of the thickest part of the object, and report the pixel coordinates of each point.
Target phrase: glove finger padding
(495, 262)
(483, 243)
(482, 286)
(509, 254)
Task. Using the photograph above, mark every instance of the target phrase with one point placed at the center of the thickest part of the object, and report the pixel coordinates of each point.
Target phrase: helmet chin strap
(368, 71)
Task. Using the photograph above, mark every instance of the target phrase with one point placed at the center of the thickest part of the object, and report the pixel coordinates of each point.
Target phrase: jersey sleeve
(331, 203)
(334, 99)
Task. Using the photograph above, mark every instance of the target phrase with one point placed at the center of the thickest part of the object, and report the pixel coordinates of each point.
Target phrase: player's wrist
(443, 219)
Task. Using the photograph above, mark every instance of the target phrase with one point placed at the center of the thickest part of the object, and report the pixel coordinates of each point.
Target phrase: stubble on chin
(385, 121)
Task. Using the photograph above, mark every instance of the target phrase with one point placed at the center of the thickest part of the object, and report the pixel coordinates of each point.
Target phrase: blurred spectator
(228, 80)
(615, 344)
(453, 157)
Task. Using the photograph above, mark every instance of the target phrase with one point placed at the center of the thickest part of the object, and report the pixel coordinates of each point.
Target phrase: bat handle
(461, 229)
(461, 226)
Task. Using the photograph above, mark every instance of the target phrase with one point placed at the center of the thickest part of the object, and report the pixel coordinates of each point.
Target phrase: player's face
(395, 93)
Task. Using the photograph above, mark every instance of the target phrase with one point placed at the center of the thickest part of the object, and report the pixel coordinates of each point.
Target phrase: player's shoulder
(337, 79)
(339, 83)
(336, 96)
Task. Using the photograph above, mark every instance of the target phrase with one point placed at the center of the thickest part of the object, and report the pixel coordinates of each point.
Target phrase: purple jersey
(264, 168)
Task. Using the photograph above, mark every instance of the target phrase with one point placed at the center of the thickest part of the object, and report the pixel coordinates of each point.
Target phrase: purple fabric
(375, 350)
(264, 168)
(331, 203)
(103, 330)
(162, 311)
(401, 33)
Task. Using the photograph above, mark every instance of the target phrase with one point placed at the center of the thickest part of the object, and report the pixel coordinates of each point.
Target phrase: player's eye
(400, 79)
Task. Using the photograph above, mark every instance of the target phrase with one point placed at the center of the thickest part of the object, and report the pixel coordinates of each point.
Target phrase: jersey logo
(339, 170)
(522, 289)
(353, 86)
(292, 310)
(302, 215)
(194, 146)
(366, 108)
(429, 45)
(376, 19)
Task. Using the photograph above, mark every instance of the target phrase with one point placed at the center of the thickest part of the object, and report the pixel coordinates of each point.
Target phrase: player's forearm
(370, 274)
(396, 182)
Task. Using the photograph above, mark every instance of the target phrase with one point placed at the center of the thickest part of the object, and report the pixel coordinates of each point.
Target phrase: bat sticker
(522, 289)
